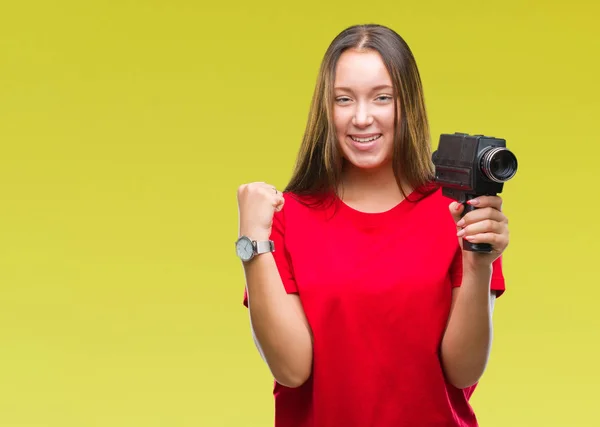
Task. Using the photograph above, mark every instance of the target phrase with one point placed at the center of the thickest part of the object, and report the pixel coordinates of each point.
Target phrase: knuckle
(470, 218)
(257, 189)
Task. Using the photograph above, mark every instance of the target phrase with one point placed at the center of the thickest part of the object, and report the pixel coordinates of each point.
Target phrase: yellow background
(126, 127)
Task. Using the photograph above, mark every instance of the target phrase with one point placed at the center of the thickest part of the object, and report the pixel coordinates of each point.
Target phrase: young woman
(362, 302)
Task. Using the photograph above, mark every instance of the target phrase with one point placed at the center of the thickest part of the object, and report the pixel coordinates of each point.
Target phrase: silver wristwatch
(247, 248)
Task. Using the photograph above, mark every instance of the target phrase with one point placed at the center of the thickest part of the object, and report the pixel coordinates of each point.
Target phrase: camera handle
(468, 246)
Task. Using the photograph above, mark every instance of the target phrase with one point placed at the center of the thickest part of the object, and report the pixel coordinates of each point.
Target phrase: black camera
(468, 166)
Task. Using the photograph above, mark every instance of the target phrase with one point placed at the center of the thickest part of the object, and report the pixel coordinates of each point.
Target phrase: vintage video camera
(468, 166)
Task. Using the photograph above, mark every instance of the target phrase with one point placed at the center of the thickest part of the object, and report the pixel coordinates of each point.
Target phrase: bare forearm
(280, 330)
(467, 341)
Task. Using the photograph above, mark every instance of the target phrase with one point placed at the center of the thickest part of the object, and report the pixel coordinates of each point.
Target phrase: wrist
(255, 234)
(476, 267)
(248, 248)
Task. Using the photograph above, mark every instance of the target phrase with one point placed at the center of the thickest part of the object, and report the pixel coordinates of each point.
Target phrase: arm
(467, 340)
(279, 326)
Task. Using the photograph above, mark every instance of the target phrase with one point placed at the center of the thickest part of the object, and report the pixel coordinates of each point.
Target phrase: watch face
(244, 248)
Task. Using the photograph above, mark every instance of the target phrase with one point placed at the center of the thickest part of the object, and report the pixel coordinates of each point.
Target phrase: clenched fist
(257, 203)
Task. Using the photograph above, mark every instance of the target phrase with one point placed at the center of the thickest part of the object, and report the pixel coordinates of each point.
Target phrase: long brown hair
(319, 163)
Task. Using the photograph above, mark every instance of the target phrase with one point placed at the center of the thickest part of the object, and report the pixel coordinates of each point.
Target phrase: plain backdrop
(126, 128)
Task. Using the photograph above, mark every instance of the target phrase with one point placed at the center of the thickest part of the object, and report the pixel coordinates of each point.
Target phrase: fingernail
(457, 207)
(473, 202)
(460, 233)
(460, 223)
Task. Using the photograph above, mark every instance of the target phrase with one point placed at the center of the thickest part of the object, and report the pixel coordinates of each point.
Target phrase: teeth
(373, 138)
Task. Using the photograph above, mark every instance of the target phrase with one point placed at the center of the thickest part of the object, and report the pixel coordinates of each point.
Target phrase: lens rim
(486, 164)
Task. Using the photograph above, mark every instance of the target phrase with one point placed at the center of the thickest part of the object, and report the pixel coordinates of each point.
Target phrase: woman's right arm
(279, 326)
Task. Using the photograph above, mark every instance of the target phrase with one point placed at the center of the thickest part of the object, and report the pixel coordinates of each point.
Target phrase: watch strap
(264, 247)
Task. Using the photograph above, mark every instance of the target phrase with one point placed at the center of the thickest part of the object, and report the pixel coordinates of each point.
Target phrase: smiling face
(363, 111)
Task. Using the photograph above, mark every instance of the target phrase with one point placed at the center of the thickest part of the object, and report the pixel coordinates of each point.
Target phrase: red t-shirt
(376, 289)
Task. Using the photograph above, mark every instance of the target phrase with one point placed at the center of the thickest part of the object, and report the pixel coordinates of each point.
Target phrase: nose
(362, 118)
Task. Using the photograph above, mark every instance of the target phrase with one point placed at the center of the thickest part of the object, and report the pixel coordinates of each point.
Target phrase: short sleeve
(497, 283)
(281, 255)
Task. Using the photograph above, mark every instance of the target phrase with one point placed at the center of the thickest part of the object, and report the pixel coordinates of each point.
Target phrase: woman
(362, 302)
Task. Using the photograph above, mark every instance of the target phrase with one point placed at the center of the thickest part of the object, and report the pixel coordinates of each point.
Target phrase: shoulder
(308, 204)
(432, 207)
(300, 209)
(431, 196)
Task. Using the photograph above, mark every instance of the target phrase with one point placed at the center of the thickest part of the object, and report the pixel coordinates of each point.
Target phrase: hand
(257, 203)
(486, 224)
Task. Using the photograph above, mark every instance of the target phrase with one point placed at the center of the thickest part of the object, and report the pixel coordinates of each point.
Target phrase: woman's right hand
(257, 203)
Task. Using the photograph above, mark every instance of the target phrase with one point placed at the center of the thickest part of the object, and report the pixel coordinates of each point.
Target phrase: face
(364, 109)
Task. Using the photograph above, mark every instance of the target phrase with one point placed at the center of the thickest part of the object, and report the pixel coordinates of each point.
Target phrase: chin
(368, 164)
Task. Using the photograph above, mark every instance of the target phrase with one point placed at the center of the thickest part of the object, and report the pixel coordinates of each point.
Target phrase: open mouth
(364, 139)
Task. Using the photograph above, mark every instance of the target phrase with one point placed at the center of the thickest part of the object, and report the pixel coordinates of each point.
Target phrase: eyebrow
(376, 88)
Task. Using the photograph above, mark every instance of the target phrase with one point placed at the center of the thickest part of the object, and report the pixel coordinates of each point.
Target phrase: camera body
(468, 166)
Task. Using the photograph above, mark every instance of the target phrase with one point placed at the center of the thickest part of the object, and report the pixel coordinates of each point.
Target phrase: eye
(384, 98)
(342, 99)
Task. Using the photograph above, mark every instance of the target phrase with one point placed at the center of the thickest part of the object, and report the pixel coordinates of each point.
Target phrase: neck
(371, 189)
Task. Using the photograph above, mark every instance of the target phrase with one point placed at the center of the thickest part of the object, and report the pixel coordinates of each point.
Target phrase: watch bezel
(252, 244)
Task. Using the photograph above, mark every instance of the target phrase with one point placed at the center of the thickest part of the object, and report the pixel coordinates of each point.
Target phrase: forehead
(361, 69)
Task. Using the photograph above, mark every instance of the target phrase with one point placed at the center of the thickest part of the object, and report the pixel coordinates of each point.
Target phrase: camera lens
(499, 164)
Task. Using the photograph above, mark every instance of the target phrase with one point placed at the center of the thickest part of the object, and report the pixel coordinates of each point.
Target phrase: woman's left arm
(467, 341)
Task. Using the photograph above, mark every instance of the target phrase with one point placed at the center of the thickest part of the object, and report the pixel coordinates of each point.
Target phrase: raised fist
(257, 203)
